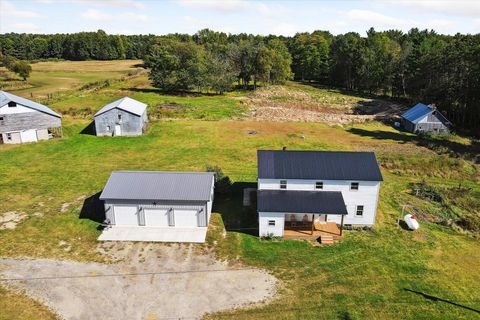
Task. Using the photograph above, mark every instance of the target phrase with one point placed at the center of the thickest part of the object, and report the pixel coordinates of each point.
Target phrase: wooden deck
(328, 230)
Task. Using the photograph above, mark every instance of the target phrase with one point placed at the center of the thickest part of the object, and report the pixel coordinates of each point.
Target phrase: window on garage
(9, 137)
(271, 223)
(354, 186)
(319, 185)
(283, 184)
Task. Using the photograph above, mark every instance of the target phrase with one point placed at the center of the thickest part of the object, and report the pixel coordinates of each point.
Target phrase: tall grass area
(368, 275)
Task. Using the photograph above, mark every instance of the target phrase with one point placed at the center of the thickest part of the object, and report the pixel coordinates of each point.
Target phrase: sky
(237, 16)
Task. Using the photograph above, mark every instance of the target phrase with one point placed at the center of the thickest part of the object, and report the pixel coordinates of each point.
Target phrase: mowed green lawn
(367, 276)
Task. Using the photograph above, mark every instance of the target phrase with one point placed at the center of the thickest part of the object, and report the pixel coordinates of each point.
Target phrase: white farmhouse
(160, 206)
(305, 194)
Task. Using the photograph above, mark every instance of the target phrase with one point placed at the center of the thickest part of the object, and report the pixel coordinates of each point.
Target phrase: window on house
(354, 186)
(319, 185)
(12, 104)
(1, 120)
(359, 211)
(9, 136)
(283, 184)
(271, 223)
(119, 117)
(108, 128)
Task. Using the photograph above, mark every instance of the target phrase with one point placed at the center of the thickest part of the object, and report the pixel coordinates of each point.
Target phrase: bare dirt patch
(9, 220)
(286, 103)
(147, 281)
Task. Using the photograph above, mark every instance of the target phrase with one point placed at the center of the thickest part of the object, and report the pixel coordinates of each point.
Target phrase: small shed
(23, 120)
(124, 117)
(162, 206)
(425, 118)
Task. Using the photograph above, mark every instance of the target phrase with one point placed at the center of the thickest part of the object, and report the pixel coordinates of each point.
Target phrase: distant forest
(420, 65)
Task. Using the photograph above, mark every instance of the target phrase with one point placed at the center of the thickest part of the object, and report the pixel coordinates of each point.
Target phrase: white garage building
(160, 206)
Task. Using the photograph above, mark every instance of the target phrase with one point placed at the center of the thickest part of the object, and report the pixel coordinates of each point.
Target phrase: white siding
(13, 110)
(265, 229)
(366, 196)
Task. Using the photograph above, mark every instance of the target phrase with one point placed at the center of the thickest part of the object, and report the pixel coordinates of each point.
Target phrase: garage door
(185, 218)
(126, 215)
(29, 135)
(156, 217)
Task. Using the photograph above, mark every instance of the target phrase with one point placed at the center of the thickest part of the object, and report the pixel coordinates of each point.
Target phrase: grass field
(56, 77)
(388, 273)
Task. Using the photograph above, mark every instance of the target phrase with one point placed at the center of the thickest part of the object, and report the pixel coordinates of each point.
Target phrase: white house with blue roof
(23, 120)
(425, 118)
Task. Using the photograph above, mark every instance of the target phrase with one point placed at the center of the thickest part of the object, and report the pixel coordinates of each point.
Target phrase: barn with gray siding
(124, 117)
(163, 206)
(23, 120)
(425, 118)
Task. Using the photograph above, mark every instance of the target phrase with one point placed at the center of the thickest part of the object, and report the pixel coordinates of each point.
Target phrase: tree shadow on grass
(437, 299)
(237, 217)
(439, 145)
(89, 130)
(93, 209)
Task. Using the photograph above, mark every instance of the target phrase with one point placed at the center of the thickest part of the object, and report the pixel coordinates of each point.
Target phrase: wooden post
(313, 219)
(341, 225)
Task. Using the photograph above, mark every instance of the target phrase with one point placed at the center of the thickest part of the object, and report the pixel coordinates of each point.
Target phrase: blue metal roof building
(425, 118)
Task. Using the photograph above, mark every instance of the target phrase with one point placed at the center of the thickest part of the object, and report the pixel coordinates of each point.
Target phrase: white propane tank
(411, 222)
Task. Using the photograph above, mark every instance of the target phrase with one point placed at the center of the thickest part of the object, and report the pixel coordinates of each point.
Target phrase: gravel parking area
(146, 281)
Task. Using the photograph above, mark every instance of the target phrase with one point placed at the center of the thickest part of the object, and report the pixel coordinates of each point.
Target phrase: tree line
(419, 65)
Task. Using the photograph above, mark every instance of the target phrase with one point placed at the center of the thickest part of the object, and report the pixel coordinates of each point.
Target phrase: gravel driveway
(152, 281)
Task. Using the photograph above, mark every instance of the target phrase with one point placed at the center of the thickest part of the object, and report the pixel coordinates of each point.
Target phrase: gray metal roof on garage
(294, 201)
(318, 165)
(158, 185)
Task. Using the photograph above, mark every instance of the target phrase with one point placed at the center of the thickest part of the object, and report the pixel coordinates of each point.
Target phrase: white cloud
(235, 6)
(113, 3)
(375, 19)
(9, 9)
(195, 22)
(93, 14)
(26, 27)
(284, 29)
(468, 8)
(225, 6)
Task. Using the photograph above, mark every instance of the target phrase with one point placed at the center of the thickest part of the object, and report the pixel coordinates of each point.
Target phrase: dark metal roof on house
(293, 201)
(318, 165)
(417, 112)
(6, 98)
(158, 185)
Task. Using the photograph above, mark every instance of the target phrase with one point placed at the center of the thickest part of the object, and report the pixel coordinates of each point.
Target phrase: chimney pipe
(284, 148)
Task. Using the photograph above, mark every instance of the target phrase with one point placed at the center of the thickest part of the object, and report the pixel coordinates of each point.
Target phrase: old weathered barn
(23, 120)
(423, 118)
(124, 117)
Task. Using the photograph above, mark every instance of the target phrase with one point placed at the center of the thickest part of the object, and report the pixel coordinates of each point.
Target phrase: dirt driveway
(153, 281)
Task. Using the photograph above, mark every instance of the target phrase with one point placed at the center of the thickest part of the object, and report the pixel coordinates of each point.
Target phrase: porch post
(341, 225)
(313, 219)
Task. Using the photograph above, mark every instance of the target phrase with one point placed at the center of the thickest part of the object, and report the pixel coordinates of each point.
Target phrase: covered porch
(312, 227)
(296, 214)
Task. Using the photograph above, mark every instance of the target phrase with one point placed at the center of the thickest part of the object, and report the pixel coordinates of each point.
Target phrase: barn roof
(158, 185)
(6, 97)
(126, 104)
(324, 202)
(417, 112)
(318, 165)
